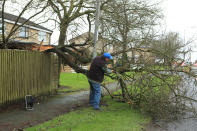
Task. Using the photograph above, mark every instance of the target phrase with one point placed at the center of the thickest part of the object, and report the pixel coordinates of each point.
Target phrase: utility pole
(96, 28)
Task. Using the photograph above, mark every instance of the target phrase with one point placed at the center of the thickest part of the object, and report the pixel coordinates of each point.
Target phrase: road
(187, 122)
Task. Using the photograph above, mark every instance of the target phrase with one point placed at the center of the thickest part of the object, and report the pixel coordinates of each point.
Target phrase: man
(95, 77)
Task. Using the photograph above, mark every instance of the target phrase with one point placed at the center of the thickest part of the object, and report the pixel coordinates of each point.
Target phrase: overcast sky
(180, 16)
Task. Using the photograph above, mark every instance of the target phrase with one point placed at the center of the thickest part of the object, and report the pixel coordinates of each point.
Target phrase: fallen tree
(153, 87)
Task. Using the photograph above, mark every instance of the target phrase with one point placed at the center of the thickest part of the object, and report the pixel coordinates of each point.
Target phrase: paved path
(54, 106)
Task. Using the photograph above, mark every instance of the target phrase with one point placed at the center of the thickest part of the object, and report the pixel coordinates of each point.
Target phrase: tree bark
(124, 55)
(63, 35)
(61, 42)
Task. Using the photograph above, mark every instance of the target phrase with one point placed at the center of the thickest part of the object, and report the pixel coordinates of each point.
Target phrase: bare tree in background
(156, 89)
(129, 24)
(67, 11)
(170, 48)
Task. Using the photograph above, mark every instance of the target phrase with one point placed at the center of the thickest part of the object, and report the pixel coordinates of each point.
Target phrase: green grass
(114, 117)
(76, 82)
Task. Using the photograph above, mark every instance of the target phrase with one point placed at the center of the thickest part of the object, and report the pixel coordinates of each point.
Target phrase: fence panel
(26, 73)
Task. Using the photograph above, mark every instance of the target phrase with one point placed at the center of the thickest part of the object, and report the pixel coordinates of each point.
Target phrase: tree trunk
(123, 87)
(124, 55)
(63, 35)
(61, 42)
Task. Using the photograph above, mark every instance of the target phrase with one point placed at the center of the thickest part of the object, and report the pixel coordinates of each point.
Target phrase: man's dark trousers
(95, 94)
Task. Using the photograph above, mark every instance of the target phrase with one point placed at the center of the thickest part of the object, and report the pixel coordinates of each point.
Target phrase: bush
(153, 94)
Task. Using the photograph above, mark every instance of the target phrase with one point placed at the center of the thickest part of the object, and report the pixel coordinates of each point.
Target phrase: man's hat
(108, 55)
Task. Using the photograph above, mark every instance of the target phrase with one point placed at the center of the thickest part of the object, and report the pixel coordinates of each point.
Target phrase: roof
(11, 17)
(21, 43)
(28, 46)
(84, 36)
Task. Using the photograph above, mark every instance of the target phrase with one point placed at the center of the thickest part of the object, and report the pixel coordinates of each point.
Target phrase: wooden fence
(26, 73)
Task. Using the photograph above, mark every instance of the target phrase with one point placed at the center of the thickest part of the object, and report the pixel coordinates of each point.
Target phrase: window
(23, 32)
(42, 36)
(109, 47)
(159, 60)
(1, 27)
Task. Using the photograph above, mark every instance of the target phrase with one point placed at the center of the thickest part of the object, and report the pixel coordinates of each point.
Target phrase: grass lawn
(114, 117)
(75, 82)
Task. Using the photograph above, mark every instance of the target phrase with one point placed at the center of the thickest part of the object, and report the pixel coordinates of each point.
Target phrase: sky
(181, 17)
(180, 14)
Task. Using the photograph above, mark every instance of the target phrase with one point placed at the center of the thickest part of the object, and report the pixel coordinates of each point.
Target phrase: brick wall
(32, 37)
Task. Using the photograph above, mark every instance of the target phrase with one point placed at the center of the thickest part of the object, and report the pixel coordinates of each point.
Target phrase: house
(140, 55)
(30, 32)
(102, 46)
